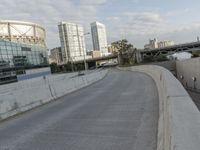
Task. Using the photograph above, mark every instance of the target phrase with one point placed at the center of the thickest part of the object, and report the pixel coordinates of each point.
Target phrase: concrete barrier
(179, 118)
(22, 96)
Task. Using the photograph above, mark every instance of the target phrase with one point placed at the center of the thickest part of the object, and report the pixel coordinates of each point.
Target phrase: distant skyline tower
(99, 38)
(72, 41)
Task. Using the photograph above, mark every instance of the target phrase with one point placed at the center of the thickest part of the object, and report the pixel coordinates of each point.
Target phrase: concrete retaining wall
(25, 95)
(186, 70)
(179, 118)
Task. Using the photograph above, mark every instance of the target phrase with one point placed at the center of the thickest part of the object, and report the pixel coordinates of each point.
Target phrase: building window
(25, 49)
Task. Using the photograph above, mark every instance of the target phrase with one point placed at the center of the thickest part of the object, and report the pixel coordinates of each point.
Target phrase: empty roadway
(119, 112)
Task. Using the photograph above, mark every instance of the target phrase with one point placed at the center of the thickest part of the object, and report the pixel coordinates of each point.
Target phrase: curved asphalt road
(119, 112)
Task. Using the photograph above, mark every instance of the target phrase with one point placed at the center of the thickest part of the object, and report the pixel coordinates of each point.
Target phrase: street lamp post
(84, 51)
(80, 42)
(72, 64)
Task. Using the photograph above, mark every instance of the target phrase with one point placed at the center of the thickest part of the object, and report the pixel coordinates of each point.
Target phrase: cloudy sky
(136, 20)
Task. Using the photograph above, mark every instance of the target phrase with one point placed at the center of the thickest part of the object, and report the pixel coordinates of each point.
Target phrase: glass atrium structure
(22, 55)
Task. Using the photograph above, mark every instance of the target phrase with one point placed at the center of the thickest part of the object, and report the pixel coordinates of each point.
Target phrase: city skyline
(136, 20)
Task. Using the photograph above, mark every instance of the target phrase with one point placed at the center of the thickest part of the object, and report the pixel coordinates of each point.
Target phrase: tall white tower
(72, 41)
(99, 38)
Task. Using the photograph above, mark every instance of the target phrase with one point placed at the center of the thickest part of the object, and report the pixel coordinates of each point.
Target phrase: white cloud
(144, 17)
(177, 13)
(48, 13)
(137, 26)
(93, 2)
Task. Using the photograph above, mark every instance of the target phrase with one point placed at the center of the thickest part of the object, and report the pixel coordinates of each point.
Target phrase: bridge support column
(91, 64)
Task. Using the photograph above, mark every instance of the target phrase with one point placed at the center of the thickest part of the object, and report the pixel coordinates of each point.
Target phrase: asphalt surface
(119, 112)
(195, 97)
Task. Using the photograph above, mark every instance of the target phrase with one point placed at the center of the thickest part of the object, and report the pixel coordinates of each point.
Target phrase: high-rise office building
(99, 38)
(72, 41)
(163, 44)
(55, 55)
(152, 44)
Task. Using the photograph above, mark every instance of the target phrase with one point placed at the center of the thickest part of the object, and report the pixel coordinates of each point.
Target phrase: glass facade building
(22, 55)
(72, 41)
(99, 38)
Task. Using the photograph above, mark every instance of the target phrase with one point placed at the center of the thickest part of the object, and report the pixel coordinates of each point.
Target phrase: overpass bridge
(137, 108)
(93, 61)
(187, 47)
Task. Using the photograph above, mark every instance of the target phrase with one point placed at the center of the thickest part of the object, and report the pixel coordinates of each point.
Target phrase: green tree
(126, 51)
(196, 54)
(161, 58)
(54, 68)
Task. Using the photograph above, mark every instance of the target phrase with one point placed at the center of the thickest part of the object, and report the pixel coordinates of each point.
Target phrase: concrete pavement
(119, 112)
(195, 97)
